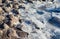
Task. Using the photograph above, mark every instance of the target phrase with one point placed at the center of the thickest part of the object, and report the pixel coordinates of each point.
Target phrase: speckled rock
(6, 26)
(14, 20)
(1, 18)
(1, 10)
(8, 9)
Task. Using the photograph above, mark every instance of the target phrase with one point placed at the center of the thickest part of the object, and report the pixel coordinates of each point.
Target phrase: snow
(30, 15)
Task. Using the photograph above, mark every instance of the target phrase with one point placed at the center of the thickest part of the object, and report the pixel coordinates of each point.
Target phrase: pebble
(1, 18)
(14, 20)
(8, 9)
(22, 34)
(6, 26)
(1, 32)
(12, 32)
(1, 10)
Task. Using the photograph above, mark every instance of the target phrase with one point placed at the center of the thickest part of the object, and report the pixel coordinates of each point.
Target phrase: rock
(1, 32)
(8, 1)
(9, 34)
(0, 1)
(22, 34)
(15, 5)
(1, 10)
(20, 19)
(15, 0)
(21, 7)
(14, 20)
(1, 18)
(7, 20)
(27, 29)
(8, 5)
(7, 9)
(11, 5)
(6, 26)
(18, 27)
(12, 32)
(1, 26)
(1, 5)
(3, 1)
(4, 36)
(15, 12)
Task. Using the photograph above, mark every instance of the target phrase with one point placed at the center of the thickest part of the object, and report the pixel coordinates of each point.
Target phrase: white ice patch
(46, 30)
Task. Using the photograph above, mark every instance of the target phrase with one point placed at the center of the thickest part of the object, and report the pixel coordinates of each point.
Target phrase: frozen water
(42, 18)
